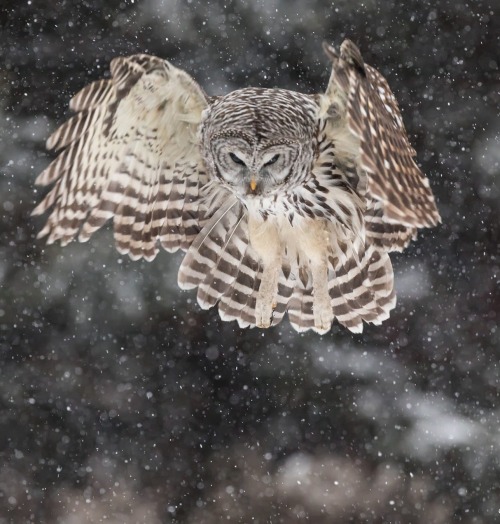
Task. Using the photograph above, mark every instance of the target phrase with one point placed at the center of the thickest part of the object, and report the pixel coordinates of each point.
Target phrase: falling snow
(121, 401)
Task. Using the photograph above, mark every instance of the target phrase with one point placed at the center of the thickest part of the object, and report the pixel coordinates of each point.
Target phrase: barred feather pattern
(131, 153)
(361, 94)
(381, 231)
(283, 202)
(226, 268)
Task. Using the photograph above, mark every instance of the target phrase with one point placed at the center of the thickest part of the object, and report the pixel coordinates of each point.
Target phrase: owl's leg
(265, 240)
(322, 306)
(266, 298)
(316, 247)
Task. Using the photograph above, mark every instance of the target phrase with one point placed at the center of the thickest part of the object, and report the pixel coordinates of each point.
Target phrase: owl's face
(259, 142)
(253, 169)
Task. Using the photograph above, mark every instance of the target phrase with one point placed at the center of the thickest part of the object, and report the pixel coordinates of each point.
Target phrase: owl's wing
(131, 152)
(365, 119)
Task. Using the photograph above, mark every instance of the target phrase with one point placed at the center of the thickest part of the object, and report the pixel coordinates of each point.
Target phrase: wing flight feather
(130, 152)
(365, 116)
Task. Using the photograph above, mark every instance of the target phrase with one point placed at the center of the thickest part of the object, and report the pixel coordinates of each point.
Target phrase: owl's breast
(298, 241)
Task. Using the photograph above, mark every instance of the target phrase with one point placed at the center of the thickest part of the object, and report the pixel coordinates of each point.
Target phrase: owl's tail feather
(363, 290)
(300, 307)
(285, 291)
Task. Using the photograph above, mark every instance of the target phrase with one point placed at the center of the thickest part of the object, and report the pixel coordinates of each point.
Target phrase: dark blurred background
(122, 402)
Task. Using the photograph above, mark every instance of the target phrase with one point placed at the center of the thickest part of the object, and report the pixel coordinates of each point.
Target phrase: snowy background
(122, 402)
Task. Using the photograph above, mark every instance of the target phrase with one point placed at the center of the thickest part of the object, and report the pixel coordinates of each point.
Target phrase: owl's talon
(322, 306)
(322, 329)
(263, 314)
(323, 322)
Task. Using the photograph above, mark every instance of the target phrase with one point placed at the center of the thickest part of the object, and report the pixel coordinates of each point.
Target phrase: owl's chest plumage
(295, 242)
(293, 228)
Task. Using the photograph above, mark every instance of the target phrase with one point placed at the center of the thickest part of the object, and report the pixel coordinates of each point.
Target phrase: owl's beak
(253, 184)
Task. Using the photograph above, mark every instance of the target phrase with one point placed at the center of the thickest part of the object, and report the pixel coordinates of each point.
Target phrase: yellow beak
(253, 184)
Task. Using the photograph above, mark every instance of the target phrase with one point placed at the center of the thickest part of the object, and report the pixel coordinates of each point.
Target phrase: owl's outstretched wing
(131, 152)
(366, 121)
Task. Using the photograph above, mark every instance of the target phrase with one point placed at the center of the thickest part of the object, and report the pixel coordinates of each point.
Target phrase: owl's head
(260, 141)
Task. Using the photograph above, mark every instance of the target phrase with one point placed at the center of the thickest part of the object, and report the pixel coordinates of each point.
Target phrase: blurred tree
(121, 399)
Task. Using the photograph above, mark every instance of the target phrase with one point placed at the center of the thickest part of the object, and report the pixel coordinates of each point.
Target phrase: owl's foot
(323, 322)
(323, 314)
(266, 297)
(263, 313)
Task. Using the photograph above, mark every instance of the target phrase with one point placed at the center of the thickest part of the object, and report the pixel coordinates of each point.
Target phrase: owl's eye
(272, 161)
(236, 159)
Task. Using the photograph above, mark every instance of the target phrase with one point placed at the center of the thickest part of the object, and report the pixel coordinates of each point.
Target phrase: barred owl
(282, 201)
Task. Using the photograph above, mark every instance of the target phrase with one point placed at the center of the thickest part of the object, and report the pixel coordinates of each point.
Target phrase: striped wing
(385, 234)
(131, 153)
(359, 96)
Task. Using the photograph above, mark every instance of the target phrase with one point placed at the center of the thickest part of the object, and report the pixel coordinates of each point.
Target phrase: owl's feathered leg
(308, 247)
(265, 240)
(266, 299)
(322, 306)
(315, 244)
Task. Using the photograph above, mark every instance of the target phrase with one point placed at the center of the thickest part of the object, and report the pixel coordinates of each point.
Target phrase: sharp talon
(261, 323)
(263, 314)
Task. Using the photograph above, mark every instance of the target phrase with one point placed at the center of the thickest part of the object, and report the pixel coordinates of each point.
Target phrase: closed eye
(272, 161)
(236, 159)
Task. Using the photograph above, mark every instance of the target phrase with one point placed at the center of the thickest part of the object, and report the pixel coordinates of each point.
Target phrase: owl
(283, 202)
